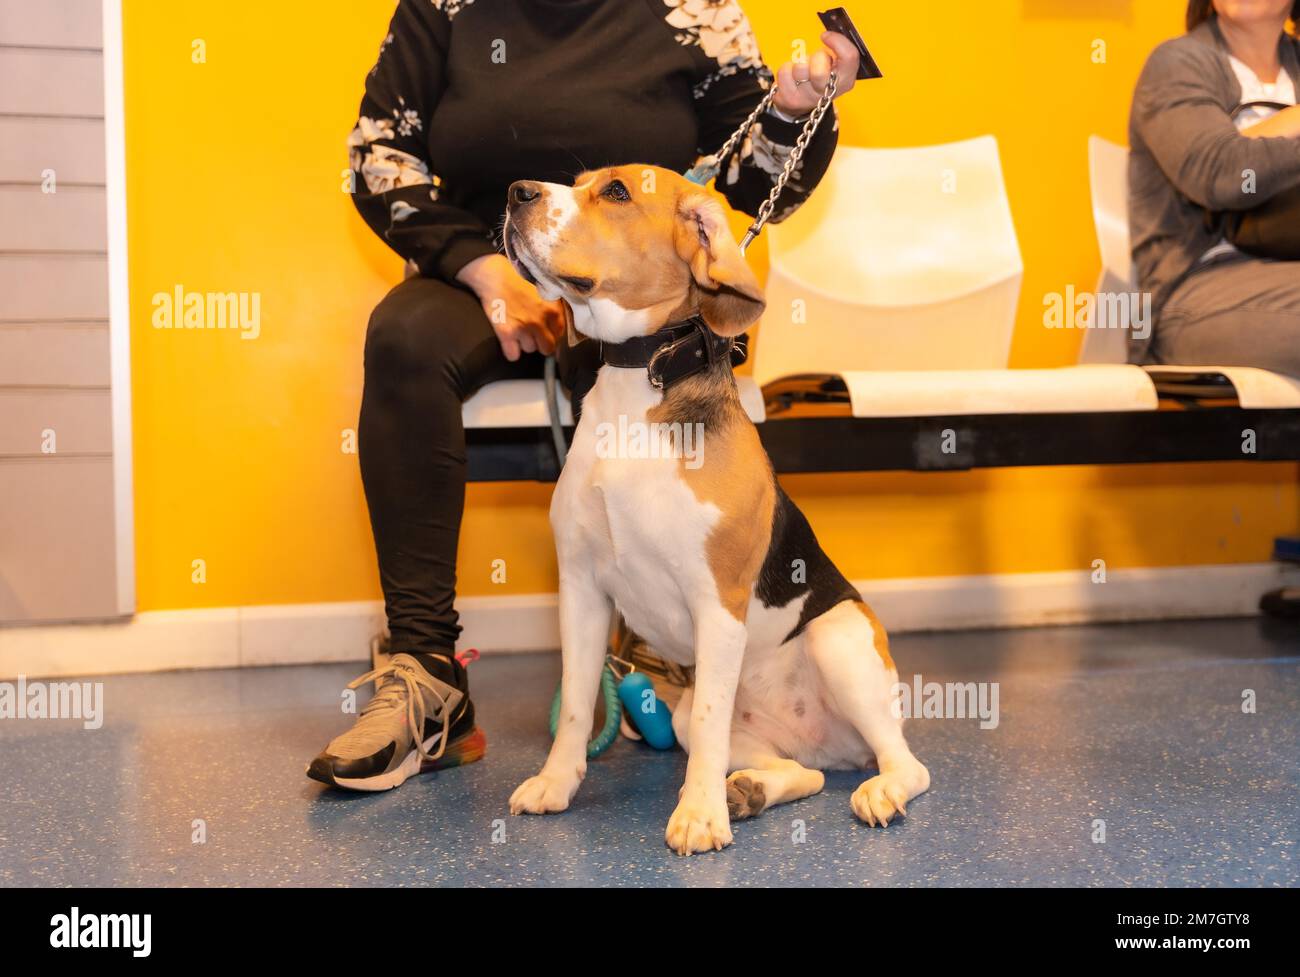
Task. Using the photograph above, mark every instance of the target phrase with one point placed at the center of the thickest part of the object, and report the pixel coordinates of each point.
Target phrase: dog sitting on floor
(700, 550)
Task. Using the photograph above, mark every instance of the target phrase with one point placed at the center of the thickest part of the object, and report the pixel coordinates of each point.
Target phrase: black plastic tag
(837, 19)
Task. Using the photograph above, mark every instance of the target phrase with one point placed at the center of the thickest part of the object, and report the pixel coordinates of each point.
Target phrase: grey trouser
(1237, 311)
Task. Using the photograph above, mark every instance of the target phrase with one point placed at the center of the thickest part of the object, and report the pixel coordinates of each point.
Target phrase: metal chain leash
(745, 126)
(796, 154)
(709, 166)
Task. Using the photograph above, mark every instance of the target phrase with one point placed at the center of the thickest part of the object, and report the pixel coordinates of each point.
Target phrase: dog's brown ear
(730, 297)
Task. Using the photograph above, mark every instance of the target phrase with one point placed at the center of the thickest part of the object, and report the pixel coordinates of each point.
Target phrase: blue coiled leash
(613, 712)
(631, 695)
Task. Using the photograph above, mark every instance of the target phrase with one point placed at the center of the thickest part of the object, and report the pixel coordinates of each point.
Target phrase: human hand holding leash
(800, 84)
(523, 321)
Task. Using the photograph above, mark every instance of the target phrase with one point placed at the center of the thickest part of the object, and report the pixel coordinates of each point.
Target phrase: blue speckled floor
(1140, 726)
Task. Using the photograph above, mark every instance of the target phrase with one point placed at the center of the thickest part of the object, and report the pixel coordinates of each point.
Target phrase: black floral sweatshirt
(468, 96)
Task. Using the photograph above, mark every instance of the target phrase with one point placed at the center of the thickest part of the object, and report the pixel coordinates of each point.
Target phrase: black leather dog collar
(675, 352)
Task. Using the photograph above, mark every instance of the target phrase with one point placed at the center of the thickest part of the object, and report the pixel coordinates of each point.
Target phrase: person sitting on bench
(448, 121)
(1215, 132)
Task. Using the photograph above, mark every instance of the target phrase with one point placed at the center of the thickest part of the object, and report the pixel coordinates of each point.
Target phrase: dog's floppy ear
(730, 298)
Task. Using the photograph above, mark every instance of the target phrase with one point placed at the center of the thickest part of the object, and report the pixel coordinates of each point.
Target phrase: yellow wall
(235, 185)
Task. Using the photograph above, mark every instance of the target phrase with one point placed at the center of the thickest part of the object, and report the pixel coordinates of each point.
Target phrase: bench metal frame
(878, 444)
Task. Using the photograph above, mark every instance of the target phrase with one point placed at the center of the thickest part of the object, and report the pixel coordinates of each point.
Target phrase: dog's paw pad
(745, 796)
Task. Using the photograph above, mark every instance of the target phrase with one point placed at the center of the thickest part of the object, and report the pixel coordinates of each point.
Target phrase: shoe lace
(410, 678)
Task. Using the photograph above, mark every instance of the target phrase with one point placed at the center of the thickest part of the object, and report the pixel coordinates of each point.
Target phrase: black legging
(429, 346)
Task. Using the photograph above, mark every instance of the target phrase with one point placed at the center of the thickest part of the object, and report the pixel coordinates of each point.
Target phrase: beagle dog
(701, 551)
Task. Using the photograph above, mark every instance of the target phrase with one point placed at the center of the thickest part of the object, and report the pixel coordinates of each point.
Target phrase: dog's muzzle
(514, 246)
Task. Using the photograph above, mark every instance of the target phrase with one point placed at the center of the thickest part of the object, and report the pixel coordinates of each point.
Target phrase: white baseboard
(297, 634)
(273, 634)
(1024, 600)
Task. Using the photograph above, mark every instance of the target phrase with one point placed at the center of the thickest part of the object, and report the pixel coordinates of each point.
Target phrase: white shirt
(1253, 90)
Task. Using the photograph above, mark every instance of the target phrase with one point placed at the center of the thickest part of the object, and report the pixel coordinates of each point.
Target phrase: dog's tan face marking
(631, 248)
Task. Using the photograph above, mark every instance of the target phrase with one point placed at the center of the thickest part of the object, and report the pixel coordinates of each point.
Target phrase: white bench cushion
(1255, 388)
(513, 403)
(522, 403)
(931, 393)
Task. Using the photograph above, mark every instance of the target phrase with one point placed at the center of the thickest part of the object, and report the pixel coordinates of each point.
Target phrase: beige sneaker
(417, 721)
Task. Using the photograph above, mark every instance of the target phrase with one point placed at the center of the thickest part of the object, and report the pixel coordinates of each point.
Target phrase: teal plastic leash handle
(613, 713)
(649, 713)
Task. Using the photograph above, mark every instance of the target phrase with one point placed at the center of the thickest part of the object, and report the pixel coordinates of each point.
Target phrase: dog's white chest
(622, 508)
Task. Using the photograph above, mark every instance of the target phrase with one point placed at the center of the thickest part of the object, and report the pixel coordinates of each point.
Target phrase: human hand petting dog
(523, 321)
(801, 84)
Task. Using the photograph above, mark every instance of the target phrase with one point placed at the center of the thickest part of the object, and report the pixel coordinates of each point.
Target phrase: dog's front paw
(698, 826)
(542, 795)
(879, 799)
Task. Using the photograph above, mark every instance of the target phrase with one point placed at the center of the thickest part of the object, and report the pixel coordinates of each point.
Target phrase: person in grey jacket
(1199, 147)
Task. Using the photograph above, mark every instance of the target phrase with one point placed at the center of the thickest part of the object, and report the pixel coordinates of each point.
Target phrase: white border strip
(1020, 600)
(119, 306)
(297, 634)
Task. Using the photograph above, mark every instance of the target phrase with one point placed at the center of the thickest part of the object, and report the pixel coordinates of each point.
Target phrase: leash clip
(669, 349)
(656, 379)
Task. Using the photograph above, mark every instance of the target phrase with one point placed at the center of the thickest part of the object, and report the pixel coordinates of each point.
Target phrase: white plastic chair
(903, 259)
(1108, 180)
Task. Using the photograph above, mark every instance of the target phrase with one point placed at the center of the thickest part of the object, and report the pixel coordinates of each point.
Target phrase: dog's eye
(616, 191)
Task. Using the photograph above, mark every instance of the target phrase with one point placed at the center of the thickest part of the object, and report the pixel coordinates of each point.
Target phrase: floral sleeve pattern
(395, 190)
(732, 80)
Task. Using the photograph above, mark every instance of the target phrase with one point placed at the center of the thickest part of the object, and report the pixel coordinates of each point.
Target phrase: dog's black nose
(522, 192)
